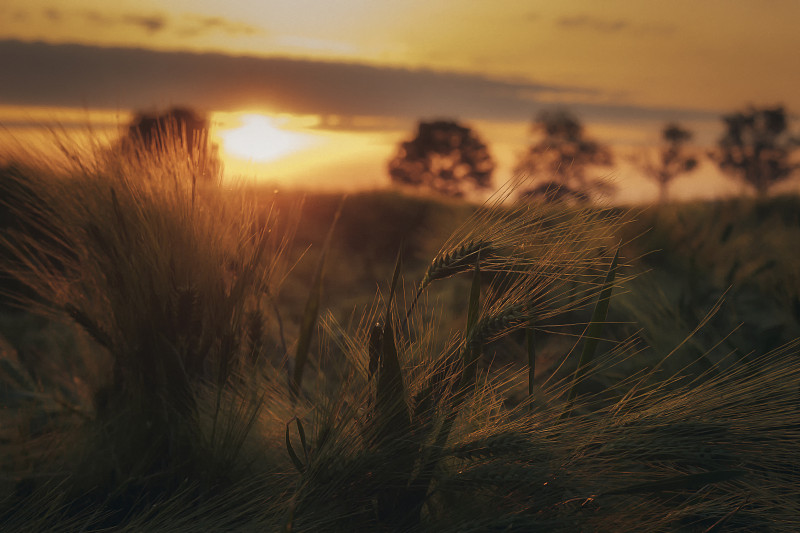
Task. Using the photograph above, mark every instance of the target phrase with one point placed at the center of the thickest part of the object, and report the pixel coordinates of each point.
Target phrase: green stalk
(529, 341)
(311, 312)
(593, 332)
(392, 416)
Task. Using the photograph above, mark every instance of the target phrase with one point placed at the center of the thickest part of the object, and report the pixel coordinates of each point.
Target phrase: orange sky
(348, 79)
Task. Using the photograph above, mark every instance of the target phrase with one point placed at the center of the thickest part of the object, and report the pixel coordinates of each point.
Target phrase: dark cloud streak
(151, 24)
(593, 23)
(98, 18)
(611, 26)
(225, 25)
(187, 25)
(53, 15)
(128, 78)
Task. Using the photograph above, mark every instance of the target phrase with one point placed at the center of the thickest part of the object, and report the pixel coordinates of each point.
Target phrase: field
(179, 354)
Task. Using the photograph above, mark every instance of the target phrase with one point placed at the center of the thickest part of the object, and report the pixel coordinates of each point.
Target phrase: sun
(259, 139)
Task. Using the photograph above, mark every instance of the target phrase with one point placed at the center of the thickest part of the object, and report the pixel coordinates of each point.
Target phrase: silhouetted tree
(177, 129)
(756, 147)
(561, 155)
(152, 129)
(674, 159)
(445, 157)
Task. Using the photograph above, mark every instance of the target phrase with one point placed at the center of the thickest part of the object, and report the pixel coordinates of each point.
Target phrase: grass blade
(393, 287)
(717, 526)
(529, 341)
(391, 411)
(474, 298)
(378, 330)
(472, 353)
(302, 434)
(677, 483)
(593, 331)
(298, 463)
(375, 340)
(311, 312)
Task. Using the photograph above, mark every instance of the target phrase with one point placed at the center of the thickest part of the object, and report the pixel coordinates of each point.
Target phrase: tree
(177, 131)
(153, 129)
(445, 157)
(674, 159)
(756, 147)
(562, 154)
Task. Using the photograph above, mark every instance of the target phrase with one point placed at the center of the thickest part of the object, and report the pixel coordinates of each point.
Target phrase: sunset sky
(319, 93)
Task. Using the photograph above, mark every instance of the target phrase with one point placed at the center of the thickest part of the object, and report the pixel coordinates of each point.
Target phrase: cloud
(60, 124)
(52, 14)
(151, 24)
(604, 25)
(98, 18)
(593, 23)
(186, 25)
(20, 15)
(206, 24)
(129, 78)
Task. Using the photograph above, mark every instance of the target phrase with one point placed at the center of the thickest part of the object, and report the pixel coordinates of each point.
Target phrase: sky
(331, 88)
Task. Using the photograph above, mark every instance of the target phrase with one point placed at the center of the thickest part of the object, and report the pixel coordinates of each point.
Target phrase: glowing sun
(259, 139)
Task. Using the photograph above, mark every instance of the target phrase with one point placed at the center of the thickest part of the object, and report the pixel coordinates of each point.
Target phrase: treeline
(450, 158)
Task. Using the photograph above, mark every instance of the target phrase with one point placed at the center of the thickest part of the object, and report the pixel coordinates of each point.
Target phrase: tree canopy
(444, 156)
(558, 158)
(153, 130)
(674, 158)
(176, 131)
(756, 147)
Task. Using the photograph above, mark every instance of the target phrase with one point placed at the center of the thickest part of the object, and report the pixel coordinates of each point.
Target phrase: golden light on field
(260, 139)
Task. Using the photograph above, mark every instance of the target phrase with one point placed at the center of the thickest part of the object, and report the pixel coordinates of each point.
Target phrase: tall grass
(168, 276)
(198, 426)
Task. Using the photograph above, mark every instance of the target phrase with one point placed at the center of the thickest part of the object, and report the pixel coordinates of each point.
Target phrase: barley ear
(455, 261)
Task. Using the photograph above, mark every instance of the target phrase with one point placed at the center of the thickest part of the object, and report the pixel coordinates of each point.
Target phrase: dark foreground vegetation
(178, 355)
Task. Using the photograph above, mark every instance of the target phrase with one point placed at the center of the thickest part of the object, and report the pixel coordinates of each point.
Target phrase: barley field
(179, 353)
